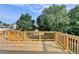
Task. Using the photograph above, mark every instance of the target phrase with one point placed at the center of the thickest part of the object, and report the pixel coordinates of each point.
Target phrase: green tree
(42, 23)
(25, 23)
(74, 20)
(6, 24)
(54, 18)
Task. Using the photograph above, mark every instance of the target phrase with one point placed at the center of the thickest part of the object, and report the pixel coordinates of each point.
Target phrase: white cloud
(37, 8)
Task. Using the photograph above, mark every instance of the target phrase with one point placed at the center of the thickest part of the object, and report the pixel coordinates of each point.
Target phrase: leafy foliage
(25, 22)
(74, 20)
(54, 18)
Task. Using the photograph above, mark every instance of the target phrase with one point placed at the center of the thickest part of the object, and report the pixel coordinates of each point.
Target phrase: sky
(10, 13)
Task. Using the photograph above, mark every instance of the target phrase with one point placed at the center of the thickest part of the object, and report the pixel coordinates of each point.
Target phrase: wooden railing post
(23, 35)
(56, 36)
(39, 36)
(9, 35)
(66, 43)
(1, 35)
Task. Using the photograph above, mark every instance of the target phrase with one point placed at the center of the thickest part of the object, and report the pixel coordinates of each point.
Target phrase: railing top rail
(34, 31)
(70, 36)
(41, 31)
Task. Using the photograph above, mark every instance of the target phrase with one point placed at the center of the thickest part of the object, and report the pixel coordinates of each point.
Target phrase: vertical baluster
(76, 46)
(63, 40)
(69, 43)
(23, 35)
(59, 38)
(73, 45)
(55, 36)
(11, 36)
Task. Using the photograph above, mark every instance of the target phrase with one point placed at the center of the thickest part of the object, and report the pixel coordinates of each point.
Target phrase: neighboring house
(11, 27)
(14, 26)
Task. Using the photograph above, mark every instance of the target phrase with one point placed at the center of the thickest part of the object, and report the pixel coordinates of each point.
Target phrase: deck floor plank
(30, 47)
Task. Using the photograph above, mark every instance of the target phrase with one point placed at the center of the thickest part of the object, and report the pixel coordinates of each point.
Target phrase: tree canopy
(24, 22)
(54, 18)
(74, 20)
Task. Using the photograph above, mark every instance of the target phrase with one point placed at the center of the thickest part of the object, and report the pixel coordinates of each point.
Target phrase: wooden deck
(32, 47)
(16, 41)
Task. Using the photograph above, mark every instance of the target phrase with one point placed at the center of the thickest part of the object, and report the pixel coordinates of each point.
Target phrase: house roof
(3, 26)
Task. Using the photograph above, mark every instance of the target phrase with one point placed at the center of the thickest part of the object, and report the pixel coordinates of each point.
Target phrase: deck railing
(28, 35)
(69, 43)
